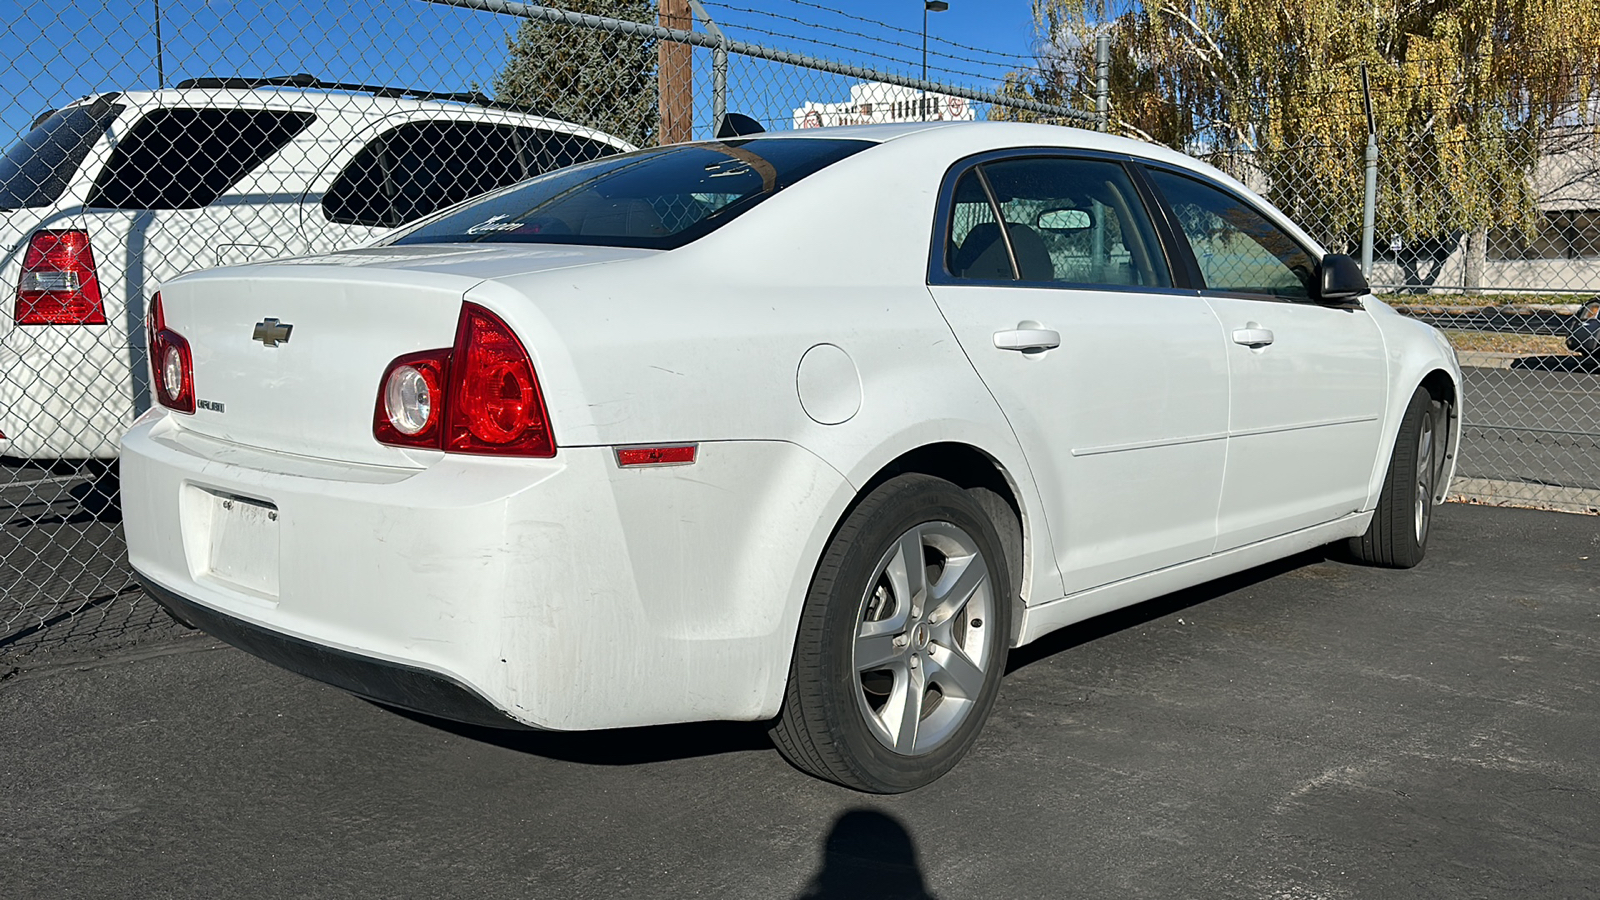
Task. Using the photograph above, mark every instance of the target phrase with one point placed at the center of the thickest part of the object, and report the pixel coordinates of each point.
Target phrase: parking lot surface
(1306, 730)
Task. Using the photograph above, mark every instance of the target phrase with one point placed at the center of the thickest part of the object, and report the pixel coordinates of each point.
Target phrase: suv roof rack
(306, 80)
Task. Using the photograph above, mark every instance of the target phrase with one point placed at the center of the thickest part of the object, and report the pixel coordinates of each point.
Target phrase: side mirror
(1340, 280)
(1061, 221)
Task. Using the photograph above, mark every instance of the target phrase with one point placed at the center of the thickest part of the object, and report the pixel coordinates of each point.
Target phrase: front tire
(1398, 535)
(902, 641)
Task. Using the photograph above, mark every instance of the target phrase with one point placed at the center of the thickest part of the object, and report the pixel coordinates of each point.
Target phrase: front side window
(184, 158)
(1238, 250)
(656, 199)
(1052, 220)
(36, 170)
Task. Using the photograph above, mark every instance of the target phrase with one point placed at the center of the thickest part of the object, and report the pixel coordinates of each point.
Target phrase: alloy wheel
(921, 658)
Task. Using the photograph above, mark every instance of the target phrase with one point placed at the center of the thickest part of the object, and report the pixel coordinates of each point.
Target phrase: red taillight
(171, 365)
(479, 396)
(58, 284)
(411, 400)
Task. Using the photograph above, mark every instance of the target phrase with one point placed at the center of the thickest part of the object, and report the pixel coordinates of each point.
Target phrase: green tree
(595, 78)
(1465, 92)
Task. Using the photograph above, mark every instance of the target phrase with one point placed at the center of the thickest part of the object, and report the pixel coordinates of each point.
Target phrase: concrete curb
(1489, 492)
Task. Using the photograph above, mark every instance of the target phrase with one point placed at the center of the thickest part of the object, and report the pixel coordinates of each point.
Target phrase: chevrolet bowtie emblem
(272, 332)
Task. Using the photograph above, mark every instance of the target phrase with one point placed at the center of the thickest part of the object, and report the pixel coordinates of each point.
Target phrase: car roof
(300, 97)
(966, 138)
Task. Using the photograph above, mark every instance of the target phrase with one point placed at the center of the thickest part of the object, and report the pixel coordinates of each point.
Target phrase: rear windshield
(37, 169)
(655, 199)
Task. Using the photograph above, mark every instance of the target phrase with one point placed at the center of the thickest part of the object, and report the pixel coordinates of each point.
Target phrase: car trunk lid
(346, 316)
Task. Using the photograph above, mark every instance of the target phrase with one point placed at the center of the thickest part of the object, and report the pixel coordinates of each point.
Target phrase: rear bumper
(562, 594)
(391, 683)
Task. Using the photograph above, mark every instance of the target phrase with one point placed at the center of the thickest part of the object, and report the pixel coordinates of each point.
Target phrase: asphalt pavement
(1310, 729)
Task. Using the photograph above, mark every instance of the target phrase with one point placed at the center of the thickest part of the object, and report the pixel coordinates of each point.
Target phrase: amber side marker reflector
(681, 455)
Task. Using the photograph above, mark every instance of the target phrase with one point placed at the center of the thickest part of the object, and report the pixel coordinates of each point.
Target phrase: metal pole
(161, 69)
(1369, 201)
(1369, 207)
(719, 68)
(922, 102)
(1102, 82)
(744, 48)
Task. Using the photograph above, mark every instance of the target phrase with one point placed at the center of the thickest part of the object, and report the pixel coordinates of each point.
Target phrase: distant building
(874, 103)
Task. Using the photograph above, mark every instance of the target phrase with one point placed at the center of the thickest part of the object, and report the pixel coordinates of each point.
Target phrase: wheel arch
(1419, 356)
(1446, 390)
(995, 488)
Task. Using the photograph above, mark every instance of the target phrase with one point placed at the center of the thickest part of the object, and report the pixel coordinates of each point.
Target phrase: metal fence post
(1369, 199)
(1102, 82)
(719, 68)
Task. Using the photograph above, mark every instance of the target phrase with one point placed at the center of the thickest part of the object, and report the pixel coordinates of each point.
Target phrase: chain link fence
(156, 138)
(1487, 226)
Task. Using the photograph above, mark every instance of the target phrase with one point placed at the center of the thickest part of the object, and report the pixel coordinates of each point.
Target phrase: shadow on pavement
(634, 746)
(867, 854)
(615, 747)
(1132, 616)
(1587, 365)
(96, 498)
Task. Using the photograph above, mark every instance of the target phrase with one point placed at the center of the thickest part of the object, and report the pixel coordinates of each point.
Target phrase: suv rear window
(419, 168)
(37, 169)
(186, 158)
(656, 199)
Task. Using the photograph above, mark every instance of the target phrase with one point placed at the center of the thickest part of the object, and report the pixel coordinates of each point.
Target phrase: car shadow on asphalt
(618, 746)
(663, 743)
(45, 496)
(1140, 613)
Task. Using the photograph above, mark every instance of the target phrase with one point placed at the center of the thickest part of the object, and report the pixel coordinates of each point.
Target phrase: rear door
(1308, 380)
(1050, 272)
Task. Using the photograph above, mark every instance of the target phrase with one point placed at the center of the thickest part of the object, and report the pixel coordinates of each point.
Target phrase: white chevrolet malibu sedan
(810, 428)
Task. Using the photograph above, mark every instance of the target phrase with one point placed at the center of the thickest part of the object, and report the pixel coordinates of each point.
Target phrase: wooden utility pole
(675, 73)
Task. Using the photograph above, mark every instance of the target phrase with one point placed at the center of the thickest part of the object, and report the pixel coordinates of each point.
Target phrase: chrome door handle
(1253, 336)
(1027, 339)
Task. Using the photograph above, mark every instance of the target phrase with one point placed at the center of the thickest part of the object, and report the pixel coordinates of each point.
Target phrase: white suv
(110, 196)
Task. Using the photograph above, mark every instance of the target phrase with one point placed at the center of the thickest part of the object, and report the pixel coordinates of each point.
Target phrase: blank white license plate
(243, 543)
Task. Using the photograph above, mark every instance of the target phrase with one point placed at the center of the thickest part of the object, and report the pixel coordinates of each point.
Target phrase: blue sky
(58, 52)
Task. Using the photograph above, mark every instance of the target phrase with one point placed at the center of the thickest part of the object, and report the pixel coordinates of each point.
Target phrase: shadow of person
(868, 856)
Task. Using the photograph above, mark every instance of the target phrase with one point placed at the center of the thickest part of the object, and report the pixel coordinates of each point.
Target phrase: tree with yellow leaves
(1465, 94)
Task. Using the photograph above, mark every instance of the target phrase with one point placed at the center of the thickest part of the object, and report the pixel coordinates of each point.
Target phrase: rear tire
(902, 642)
(1398, 535)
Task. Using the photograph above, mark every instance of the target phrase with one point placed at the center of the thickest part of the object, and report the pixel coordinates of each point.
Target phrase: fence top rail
(745, 48)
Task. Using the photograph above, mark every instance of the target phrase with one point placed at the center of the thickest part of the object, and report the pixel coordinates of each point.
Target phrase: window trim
(939, 274)
(1174, 235)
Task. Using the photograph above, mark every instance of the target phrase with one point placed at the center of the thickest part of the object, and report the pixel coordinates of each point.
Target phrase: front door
(1308, 380)
(1114, 382)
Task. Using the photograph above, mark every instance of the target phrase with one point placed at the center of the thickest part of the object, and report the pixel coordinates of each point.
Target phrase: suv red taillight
(479, 396)
(171, 365)
(58, 284)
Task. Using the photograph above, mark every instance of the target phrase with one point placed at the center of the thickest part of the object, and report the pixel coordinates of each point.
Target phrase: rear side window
(1060, 220)
(186, 158)
(420, 168)
(37, 169)
(656, 199)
